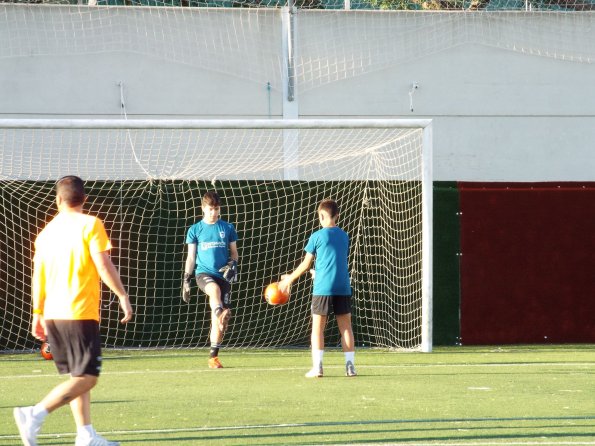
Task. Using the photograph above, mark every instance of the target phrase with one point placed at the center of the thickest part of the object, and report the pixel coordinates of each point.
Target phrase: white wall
(511, 94)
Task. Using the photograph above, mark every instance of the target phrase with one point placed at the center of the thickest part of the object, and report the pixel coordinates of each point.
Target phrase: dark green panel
(446, 264)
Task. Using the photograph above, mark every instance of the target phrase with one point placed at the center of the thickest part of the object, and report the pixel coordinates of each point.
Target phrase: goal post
(146, 178)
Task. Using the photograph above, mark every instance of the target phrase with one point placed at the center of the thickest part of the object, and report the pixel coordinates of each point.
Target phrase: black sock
(214, 351)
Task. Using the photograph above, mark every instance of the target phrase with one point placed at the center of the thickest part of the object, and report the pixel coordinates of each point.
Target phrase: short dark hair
(211, 199)
(330, 206)
(72, 190)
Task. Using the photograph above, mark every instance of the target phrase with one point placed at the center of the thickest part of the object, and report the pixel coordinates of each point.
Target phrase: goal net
(145, 180)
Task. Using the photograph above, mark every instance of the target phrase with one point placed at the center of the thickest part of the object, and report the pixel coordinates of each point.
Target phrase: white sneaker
(315, 372)
(350, 369)
(28, 426)
(95, 440)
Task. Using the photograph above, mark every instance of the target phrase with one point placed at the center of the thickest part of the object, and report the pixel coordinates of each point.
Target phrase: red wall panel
(528, 262)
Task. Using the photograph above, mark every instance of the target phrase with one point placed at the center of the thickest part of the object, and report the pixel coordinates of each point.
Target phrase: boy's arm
(188, 271)
(230, 270)
(288, 279)
(38, 287)
(190, 260)
(233, 251)
(110, 276)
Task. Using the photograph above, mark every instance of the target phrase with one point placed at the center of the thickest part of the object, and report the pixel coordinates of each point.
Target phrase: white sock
(350, 356)
(39, 412)
(317, 357)
(86, 431)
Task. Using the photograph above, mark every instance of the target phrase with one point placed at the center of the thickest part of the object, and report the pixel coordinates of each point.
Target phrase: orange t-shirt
(66, 280)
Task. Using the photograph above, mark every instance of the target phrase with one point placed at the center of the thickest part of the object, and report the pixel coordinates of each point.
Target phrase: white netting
(334, 47)
(146, 184)
(215, 40)
(331, 46)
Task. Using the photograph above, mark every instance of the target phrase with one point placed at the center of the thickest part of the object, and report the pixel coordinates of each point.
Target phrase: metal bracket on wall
(412, 90)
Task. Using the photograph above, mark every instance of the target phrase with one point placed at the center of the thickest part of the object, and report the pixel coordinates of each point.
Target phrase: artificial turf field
(519, 395)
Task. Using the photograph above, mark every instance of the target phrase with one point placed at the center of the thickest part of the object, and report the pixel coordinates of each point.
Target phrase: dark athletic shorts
(324, 305)
(203, 280)
(76, 346)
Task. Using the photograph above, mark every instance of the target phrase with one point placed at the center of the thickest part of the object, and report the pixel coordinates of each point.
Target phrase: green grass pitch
(521, 395)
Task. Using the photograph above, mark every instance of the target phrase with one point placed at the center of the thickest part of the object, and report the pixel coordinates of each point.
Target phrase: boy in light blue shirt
(213, 260)
(332, 288)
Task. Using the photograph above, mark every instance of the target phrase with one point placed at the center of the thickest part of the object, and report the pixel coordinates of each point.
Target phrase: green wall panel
(446, 292)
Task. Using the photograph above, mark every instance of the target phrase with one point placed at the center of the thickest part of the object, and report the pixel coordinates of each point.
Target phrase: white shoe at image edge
(28, 426)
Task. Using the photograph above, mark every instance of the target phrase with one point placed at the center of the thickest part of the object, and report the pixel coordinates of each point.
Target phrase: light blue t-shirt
(331, 248)
(212, 245)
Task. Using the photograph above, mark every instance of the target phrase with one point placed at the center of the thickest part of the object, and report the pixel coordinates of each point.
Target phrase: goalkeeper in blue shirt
(332, 287)
(213, 260)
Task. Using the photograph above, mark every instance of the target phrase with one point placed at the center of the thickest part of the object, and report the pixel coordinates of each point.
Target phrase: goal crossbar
(240, 124)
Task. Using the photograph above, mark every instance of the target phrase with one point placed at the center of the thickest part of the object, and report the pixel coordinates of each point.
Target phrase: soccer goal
(146, 178)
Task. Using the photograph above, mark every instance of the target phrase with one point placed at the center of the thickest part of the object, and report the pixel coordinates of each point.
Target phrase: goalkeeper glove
(230, 271)
(186, 287)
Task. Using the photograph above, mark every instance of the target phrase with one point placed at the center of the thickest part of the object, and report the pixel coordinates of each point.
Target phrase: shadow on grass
(355, 432)
(401, 431)
(367, 436)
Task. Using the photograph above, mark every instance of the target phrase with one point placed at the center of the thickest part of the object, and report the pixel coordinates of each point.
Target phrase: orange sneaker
(214, 363)
(223, 319)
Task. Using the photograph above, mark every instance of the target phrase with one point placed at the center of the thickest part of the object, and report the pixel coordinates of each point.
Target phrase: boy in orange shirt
(71, 256)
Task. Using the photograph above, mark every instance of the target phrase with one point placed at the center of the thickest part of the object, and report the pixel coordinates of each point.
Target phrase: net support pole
(427, 241)
(290, 103)
(288, 40)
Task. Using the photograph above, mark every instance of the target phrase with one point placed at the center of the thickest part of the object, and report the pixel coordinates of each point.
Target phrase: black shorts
(324, 305)
(202, 280)
(76, 346)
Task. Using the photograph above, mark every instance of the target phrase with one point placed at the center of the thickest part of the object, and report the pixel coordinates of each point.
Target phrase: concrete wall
(511, 94)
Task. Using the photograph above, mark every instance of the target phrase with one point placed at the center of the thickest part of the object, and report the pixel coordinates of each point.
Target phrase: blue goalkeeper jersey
(212, 245)
(331, 248)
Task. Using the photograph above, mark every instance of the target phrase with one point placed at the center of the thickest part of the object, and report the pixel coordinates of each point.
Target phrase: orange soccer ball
(46, 352)
(274, 296)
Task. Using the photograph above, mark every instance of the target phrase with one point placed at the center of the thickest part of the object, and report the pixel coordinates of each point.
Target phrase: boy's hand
(186, 287)
(284, 284)
(38, 327)
(126, 308)
(230, 271)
